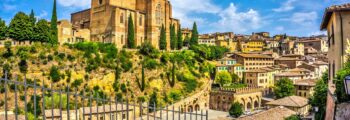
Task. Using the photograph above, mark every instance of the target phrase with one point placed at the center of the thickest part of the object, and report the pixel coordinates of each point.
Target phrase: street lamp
(347, 84)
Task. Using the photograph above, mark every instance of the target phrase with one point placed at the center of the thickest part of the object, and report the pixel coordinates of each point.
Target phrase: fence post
(116, 108)
(141, 111)
(61, 102)
(201, 114)
(35, 115)
(167, 117)
(110, 107)
(148, 108)
(76, 103)
(154, 111)
(127, 108)
(173, 112)
(206, 115)
(43, 98)
(68, 114)
(90, 99)
(16, 109)
(104, 106)
(25, 97)
(6, 95)
(52, 105)
(179, 113)
(134, 110)
(83, 102)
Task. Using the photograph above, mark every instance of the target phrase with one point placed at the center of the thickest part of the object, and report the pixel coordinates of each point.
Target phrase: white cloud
(75, 3)
(279, 28)
(42, 15)
(183, 8)
(287, 6)
(239, 22)
(318, 33)
(305, 18)
(8, 7)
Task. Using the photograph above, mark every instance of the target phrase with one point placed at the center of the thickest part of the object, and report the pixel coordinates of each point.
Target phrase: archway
(249, 106)
(190, 108)
(256, 105)
(196, 107)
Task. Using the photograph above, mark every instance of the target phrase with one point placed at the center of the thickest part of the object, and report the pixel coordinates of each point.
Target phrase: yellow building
(253, 46)
(263, 78)
(305, 88)
(253, 61)
(67, 34)
(108, 20)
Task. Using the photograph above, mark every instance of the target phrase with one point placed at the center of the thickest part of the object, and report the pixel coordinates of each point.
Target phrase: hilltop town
(133, 60)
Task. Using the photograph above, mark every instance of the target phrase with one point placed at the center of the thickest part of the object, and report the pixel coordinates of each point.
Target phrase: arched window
(158, 13)
(100, 2)
(122, 39)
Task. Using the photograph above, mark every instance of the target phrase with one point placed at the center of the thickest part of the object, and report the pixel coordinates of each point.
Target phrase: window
(121, 18)
(101, 118)
(124, 116)
(140, 20)
(158, 14)
(122, 39)
(100, 2)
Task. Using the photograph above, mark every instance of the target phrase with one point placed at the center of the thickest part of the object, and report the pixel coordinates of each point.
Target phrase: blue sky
(294, 17)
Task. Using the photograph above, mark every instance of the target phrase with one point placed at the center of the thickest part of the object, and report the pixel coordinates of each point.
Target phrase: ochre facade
(108, 20)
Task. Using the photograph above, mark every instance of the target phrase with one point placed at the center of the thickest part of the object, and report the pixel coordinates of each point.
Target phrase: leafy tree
(3, 29)
(179, 38)
(42, 31)
(284, 88)
(148, 50)
(236, 110)
(223, 78)
(162, 41)
(235, 78)
(194, 37)
(319, 99)
(131, 33)
(293, 117)
(173, 37)
(54, 29)
(339, 83)
(20, 27)
(55, 74)
(172, 79)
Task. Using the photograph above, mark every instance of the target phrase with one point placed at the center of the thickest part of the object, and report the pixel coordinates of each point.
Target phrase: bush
(150, 64)
(148, 50)
(175, 95)
(55, 74)
(223, 78)
(77, 83)
(236, 110)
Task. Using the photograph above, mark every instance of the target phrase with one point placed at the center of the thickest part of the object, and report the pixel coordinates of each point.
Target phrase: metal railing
(72, 105)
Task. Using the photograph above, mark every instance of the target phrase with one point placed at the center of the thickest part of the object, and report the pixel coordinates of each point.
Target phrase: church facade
(108, 21)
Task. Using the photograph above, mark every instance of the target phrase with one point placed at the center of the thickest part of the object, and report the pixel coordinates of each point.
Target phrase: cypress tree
(162, 41)
(3, 29)
(32, 23)
(54, 30)
(131, 33)
(179, 38)
(172, 37)
(194, 37)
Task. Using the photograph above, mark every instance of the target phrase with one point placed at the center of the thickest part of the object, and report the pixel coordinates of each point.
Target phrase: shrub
(223, 78)
(150, 64)
(77, 83)
(148, 50)
(236, 110)
(55, 74)
(175, 95)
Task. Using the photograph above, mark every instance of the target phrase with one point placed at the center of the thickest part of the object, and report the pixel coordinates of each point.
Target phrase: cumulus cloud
(305, 18)
(239, 22)
(75, 3)
(287, 6)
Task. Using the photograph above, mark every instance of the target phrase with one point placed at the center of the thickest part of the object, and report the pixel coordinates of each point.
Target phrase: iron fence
(72, 105)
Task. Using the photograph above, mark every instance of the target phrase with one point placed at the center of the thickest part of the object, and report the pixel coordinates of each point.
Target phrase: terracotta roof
(226, 58)
(305, 82)
(276, 113)
(288, 59)
(299, 70)
(291, 101)
(329, 11)
(320, 63)
(247, 55)
(256, 71)
(287, 74)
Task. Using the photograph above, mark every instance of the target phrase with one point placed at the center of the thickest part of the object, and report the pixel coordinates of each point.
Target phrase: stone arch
(249, 106)
(190, 108)
(256, 104)
(197, 107)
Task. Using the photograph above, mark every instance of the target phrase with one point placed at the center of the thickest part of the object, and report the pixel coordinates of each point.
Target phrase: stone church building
(108, 20)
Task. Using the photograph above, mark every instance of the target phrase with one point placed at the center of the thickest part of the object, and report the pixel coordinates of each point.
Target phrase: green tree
(194, 37)
(55, 74)
(173, 37)
(186, 41)
(42, 31)
(172, 78)
(319, 99)
(223, 78)
(236, 110)
(142, 83)
(131, 33)
(179, 38)
(8, 52)
(3, 29)
(148, 50)
(20, 27)
(23, 66)
(54, 29)
(284, 88)
(32, 17)
(235, 78)
(162, 41)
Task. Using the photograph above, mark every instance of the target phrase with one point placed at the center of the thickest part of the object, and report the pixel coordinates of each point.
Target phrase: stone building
(305, 88)
(252, 61)
(263, 77)
(316, 43)
(276, 113)
(249, 98)
(335, 21)
(230, 65)
(108, 20)
(68, 34)
(298, 104)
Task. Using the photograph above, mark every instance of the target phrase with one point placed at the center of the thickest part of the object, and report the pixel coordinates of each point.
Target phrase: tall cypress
(179, 38)
(162, 41)
(131, 33)
(54, 30)
(32, 23)
(172, 37)
(194, 37)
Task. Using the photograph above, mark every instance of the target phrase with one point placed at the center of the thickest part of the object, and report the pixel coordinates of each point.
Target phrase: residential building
(230, 65)
(253, 61)
(298, 104)
(253, 45)
(335, 21)
(305, 88)
(292, 47)
(276, 113)
(289, 61)
(186, 32)
(67, 34)
(316, 43)
(108, 20)
(263, 77)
